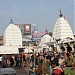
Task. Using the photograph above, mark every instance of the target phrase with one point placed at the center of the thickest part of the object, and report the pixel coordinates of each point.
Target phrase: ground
(22, 71)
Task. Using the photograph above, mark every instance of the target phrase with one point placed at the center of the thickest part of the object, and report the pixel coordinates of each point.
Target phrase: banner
(27, 29)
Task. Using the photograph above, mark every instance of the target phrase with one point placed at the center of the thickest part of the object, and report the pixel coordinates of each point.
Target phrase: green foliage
(50, 33)
(69, 71)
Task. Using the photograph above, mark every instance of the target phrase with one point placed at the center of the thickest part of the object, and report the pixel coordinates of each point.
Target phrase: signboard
(27, 29)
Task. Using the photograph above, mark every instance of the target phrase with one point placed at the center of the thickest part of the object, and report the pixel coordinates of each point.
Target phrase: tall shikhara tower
(62, 28)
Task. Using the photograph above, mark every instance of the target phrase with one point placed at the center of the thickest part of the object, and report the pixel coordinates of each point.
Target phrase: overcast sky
(44, 13)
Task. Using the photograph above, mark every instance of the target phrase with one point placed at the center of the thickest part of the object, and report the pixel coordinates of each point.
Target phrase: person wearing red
(57, 70)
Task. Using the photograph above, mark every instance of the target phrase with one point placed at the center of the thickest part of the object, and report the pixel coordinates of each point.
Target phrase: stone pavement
(22, 71)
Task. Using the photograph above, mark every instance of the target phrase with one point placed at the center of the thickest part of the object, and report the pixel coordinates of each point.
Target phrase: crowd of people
(41, 63)
(16, 60)
(54, 63)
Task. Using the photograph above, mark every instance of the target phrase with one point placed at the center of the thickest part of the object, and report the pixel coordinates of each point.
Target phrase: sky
(44, 13)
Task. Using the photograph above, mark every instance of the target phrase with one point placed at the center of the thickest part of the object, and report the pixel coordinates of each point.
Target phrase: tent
(9, 50)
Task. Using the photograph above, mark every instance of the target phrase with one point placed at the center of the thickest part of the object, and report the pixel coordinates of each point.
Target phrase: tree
(50, 33)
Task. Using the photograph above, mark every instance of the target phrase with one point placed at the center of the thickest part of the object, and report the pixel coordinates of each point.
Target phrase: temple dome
(12, 35)
(62, 29)
(46, 39)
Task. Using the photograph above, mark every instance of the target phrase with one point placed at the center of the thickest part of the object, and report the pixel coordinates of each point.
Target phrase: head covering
(55, 61)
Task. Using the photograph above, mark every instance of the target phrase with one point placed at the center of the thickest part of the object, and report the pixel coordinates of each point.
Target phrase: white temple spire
(11, 21)
(60, 13)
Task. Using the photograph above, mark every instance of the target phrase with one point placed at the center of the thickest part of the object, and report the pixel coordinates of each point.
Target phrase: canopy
(28, 51)
(9, 50)
(44, 46)
(25, 50)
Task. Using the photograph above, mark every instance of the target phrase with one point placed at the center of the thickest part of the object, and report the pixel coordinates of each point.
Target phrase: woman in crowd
(57, 70)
